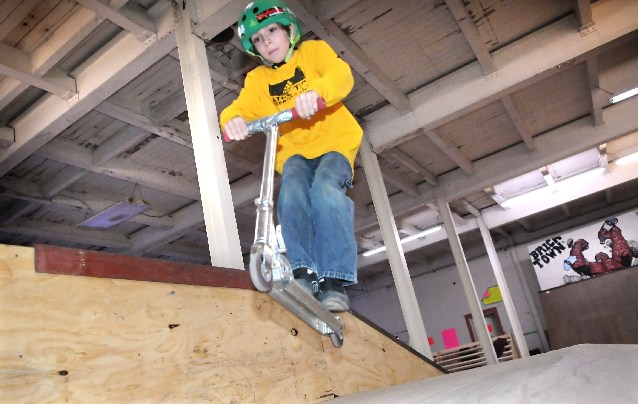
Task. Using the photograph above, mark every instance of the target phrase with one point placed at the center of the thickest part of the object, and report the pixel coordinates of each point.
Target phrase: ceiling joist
(471, 34)
(351, 53)
(17, 65)
(467, 89)
(130, 17)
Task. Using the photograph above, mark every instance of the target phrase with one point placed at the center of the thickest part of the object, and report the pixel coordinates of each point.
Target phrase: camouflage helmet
(262, 13)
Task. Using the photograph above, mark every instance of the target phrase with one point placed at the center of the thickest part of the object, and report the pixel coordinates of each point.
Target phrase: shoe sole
(335, 304)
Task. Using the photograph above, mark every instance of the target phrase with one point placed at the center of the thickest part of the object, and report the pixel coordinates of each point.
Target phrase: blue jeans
(317, 217)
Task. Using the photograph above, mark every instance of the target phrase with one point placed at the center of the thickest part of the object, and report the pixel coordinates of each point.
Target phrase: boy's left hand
(306, 104)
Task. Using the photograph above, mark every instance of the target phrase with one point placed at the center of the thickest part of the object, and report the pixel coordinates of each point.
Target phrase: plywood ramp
(66, 338)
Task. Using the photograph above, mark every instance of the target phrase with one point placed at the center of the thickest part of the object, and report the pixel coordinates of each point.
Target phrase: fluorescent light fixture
(115, 214)
(624, 96)
(406, 239)
(628, 159)
(533, 196)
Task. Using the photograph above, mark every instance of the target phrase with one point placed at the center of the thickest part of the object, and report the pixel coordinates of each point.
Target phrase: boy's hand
(306, 104)
(236, 129)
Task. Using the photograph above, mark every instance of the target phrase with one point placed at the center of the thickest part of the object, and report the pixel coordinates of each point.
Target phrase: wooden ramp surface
(82, 339)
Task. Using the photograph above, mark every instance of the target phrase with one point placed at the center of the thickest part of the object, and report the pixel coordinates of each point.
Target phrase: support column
(480, 326)
(528, 296)
(214, 186)
(398, 265)
(502, 285)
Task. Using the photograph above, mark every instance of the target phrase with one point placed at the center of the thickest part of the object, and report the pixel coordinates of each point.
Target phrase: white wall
(442, 301)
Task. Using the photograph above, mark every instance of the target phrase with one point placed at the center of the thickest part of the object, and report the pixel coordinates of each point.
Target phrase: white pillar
(214, 186)
(502, 285)
(402, 280)
(528, 296)
(480, 326)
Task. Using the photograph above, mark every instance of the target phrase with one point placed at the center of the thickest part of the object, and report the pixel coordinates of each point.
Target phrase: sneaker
(307, 279)
(333, 295)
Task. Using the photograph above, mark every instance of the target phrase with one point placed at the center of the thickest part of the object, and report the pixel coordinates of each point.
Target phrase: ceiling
(467, 102)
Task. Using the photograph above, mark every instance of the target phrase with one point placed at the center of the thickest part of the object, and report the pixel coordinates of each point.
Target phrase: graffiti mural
(590, 251)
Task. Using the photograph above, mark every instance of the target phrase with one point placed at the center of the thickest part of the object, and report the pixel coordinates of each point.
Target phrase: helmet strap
(293, 41)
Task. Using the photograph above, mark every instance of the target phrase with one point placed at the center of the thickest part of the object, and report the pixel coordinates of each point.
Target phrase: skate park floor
(578, 374)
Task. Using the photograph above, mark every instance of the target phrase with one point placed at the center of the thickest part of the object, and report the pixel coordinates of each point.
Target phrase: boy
(315, 155)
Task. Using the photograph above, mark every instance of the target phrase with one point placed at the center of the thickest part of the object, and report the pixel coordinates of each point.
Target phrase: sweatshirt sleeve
(335, 79)
(249, 104)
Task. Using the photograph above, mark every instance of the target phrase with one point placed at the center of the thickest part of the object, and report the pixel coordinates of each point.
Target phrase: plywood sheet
(84, 339)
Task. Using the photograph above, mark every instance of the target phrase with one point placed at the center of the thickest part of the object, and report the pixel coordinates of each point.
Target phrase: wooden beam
(70, 261)
(17, 65)
(470, 208)
(467, 90)
(518, 122)
(123, 59)
(411, 164)
(399, 181)
(552, 146)
(67, 233)
(598, 98)
(450, 149)
(48, 54)
(14, 13)
(174, 130)
(185, 219)
(65, 177)
(351, 53)
(16, 211)
(217, 73)
(471, 34)
(118, 143)
(582, 8)
(29, 192)
(7, 137)
(130, 17)
(129, 115)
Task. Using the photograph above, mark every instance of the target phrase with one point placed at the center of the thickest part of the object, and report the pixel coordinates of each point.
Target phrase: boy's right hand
(236, 129)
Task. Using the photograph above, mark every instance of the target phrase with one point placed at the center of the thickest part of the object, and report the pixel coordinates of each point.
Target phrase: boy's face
(272, 43)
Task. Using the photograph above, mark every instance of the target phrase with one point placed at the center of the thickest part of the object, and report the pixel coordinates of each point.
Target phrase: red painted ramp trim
(71, 261)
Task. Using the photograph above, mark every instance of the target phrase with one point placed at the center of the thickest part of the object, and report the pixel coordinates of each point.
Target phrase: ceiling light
(115, 214)
(628, 159)
(624, 96)
(536, 195)
(422, 234)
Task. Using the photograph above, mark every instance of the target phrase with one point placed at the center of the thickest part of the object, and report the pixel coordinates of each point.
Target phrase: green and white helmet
(262, 13)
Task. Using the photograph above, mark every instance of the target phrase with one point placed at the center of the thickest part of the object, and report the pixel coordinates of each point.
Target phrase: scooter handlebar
(278, 118)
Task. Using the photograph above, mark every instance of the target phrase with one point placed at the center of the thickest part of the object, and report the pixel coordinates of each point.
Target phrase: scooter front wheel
(337, 337)
(261, 269)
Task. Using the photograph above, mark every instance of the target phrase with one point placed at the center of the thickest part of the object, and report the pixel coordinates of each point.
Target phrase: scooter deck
(298, 301)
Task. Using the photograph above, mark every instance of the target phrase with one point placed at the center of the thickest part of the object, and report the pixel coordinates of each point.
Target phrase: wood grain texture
(82, 339)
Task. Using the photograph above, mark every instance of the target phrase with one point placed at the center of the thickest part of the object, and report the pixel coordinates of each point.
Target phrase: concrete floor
(578, 374)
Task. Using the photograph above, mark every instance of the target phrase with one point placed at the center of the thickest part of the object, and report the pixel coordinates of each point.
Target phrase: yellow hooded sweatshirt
(313, 66)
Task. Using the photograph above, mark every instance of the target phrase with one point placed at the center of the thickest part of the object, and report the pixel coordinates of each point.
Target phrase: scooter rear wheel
(261, 270)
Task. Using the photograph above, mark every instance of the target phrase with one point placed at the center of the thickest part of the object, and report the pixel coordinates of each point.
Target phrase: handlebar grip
(226, 138)
(321, 105)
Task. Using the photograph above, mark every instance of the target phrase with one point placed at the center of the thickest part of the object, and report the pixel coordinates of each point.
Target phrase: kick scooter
(270, 269)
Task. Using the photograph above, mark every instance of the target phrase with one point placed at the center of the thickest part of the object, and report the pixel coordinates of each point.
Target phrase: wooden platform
(68, 338)
(599, 310)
